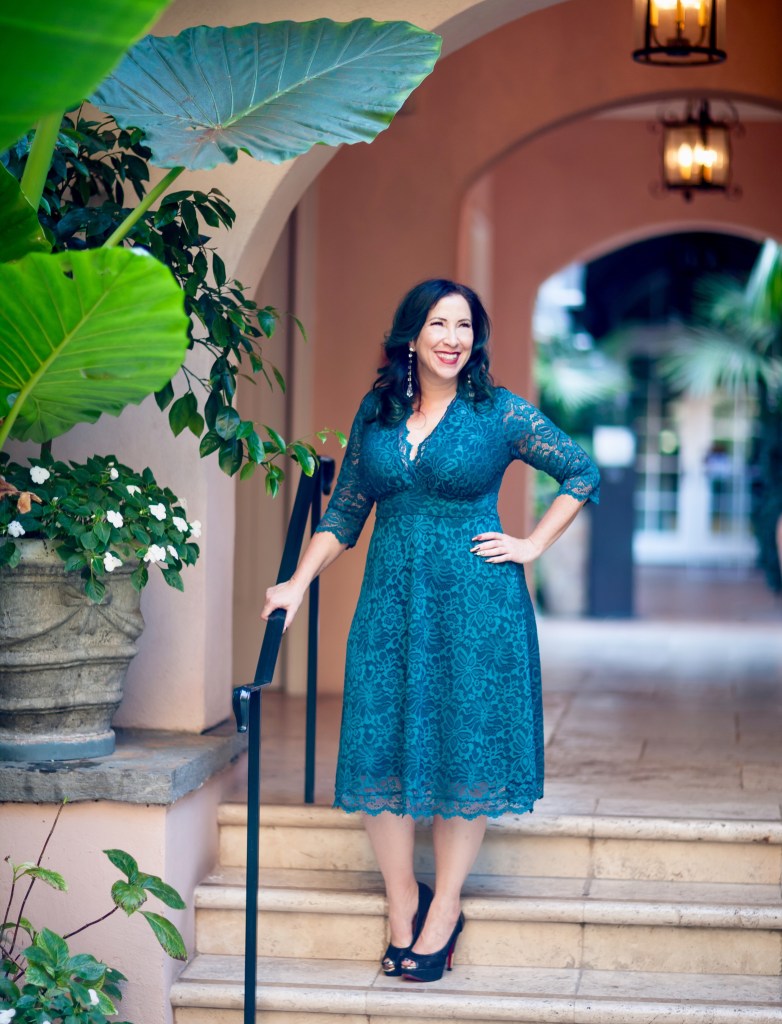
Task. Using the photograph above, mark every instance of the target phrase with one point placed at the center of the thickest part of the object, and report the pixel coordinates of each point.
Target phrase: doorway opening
(605, 331)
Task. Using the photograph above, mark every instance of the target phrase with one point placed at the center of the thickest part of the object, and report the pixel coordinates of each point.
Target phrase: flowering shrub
(101, 515)
(44, 983)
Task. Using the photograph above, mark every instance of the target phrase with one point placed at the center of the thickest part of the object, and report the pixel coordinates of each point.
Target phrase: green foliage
(275, 91)
(20, 230)
(100, 514)
(200, 100)
(44, 981)
(166, 934)
(735, 348)
(95, 169)
(79, 317)
(56, 53)
(707, 361)
(574, 381)
(59, 987)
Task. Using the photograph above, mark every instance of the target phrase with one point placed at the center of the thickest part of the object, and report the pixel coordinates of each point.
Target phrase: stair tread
(639, 826)
(514, 993)
(511, 897)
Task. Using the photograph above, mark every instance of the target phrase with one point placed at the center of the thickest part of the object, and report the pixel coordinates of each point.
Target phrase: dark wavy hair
(390, 386)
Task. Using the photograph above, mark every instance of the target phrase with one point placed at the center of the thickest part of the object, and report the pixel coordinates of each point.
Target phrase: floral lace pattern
(442, 710)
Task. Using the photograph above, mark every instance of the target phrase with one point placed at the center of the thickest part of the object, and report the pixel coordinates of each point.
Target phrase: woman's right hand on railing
(288, 595)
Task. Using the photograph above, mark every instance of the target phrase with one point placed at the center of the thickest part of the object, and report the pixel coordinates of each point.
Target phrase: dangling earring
(409, 391)
(470, 389)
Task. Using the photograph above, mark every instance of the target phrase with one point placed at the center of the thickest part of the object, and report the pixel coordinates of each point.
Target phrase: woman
(442, 712)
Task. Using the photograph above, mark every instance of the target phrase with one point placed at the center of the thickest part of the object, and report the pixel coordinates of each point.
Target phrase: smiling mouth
(450, 358)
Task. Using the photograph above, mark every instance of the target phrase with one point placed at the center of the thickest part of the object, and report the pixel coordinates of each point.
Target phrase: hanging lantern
(680, 32)
(696, 152)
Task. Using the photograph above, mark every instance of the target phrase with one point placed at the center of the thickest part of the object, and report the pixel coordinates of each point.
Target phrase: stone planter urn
(63, 659)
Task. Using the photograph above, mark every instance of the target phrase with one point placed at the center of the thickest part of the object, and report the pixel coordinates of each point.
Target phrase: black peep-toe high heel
(430, 966)
(394, 955)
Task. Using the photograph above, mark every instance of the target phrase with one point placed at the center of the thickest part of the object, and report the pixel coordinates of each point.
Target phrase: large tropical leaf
(55, 53)
(83, 333)
(273, 91)
(20, 230)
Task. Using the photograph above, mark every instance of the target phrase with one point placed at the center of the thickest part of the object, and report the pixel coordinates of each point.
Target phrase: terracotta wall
(386, 216)
(391, 214)
(182, 676)
(266, 194)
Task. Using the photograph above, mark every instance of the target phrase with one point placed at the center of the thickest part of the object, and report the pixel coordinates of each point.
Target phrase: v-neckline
(408, 445)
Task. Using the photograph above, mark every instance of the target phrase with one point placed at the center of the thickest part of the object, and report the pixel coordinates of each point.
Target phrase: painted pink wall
(583, 190)
(389, 215)
(179, 843)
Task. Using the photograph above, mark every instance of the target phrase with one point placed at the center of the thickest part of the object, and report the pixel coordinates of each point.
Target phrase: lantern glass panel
(696, 156)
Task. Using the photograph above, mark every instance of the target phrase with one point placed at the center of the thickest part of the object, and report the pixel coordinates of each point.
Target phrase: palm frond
(764, 288)
(577, 380)
(706, 361)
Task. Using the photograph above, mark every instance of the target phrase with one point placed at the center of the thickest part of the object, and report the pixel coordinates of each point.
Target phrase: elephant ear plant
(83, 333)
(40, 979)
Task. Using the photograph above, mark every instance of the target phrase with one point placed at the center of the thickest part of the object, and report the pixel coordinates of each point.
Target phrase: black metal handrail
(247, 705)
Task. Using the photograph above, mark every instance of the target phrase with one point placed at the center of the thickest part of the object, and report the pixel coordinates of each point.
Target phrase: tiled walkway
(705, 594)
(644, 717)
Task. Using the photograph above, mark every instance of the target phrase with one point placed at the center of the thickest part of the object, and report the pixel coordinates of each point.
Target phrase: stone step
(595, 924)
(562, 846)
(210, 991)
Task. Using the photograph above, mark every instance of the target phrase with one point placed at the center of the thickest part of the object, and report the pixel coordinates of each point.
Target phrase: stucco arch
(264, 195)
(514, 119)
(542, 42)
(396, 204)
(379, 218)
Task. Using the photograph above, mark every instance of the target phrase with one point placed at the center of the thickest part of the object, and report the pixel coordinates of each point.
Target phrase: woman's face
(444, 342)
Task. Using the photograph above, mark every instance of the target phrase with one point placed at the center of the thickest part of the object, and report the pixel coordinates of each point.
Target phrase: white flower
(111, 562)
(6, 1016)
(173, 551)
(114, 473)
(39, 474)
(158, 511)
(155, 553)
(93, 996)
(195, 529)
(132, 489)
(16, 529)
(115, 518)
(180, 524)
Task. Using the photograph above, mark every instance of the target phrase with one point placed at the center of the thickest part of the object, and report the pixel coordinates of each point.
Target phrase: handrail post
(323, 482)
(312, 662)
(247, 710)
(253, 839)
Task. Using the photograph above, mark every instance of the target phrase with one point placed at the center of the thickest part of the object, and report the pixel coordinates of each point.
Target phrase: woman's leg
(456, 845)
(393, 837)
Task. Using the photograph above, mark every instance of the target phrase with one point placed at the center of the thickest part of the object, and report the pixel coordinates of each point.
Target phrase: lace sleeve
(537, 441)
(350, 503)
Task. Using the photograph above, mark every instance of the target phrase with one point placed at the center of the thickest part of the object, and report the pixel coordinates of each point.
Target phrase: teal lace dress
(442, 708)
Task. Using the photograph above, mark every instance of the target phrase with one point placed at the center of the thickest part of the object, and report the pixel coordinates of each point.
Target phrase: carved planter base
(63, 659)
